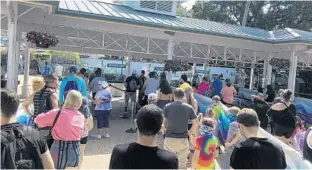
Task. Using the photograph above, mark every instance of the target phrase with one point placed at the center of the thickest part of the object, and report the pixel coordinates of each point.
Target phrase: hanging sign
(116, 65)
(159, 68)
(200, 71)
(62, 61)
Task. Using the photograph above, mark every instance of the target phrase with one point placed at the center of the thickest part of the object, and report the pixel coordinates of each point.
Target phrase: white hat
(104, 84)
(152, 96)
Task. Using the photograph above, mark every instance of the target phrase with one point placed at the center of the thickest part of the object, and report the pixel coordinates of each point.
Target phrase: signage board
(116, 65)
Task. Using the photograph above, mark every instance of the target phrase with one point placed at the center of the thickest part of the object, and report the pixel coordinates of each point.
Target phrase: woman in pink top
(228, 92)
(66, 132)
(204, 87)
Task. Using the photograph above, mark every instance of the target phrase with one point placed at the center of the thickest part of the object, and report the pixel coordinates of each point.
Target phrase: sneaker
(98, 137)
(106, 135)
(124, 116)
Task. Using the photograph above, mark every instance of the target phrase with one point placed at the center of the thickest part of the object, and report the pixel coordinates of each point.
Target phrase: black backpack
(18, 150)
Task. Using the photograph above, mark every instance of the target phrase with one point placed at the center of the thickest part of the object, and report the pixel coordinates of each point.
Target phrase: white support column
(193, 69)
(205, 66)
(268, 76)
(252, 71)
(25, 88)
(292, 71)
(17, 55)
(12, 24)
(128, 66)
(170, 49)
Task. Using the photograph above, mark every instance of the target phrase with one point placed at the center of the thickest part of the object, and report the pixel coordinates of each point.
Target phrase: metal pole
(170, 49)
(252, 71)
(269, 70)
(25, 87)
(246, 13)
(292, 71)
(11, 62)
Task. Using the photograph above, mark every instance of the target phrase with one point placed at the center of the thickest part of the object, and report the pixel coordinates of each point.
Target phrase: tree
(182, 11)
(267, 15)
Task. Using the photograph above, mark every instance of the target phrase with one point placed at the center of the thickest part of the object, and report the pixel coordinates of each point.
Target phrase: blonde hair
(37, 83)
(234, 110)
(73, 100)
(210, 113)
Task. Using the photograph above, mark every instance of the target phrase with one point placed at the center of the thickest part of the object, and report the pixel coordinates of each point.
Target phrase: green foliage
(58, 54)
(182, 11)
(267, 15)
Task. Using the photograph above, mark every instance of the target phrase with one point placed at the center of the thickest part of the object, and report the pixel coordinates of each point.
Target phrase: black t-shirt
(271, 97)
(286, 117)
(258, 153)
(128, 80)
(136, 156)
(33, 135)
(261, 107)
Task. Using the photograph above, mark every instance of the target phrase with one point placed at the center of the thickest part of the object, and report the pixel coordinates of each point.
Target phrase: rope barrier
(116, 88)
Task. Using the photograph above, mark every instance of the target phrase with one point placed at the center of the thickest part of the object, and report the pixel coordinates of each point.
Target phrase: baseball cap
(104, 84)
(152, 96)
(73, 69)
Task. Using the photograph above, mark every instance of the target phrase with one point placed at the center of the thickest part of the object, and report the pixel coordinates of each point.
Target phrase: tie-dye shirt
(207, 145)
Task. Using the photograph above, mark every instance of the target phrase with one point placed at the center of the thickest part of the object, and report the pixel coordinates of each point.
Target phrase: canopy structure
(105, 28)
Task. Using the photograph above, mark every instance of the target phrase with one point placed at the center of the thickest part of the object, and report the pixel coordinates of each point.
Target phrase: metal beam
(25, 12)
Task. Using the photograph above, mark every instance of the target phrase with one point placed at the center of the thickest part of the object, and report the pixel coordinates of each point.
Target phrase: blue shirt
(82, 87)
(104, 105)
(23, 119)
(217, 86)
(152, 86)
(47, 70)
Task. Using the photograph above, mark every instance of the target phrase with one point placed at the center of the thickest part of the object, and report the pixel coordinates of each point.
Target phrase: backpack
(18, 151)
(71, 85)
(133, 86)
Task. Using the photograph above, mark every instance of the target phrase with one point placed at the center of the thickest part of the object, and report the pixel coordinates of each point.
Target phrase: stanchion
(133, 110)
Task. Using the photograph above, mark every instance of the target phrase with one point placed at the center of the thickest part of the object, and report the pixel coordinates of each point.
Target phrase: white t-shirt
(59, 70)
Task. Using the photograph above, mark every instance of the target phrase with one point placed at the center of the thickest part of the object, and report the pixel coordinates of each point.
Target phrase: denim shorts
(65, 153)
(102, 118)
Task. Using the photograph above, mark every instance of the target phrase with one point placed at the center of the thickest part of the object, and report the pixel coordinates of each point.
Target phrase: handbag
(50, 139)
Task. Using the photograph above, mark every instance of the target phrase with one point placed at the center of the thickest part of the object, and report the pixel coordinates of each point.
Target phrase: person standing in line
(283, 116)
(72, 82)
(217, 86)
(59, 70)
(204, 87)
(261, 108)
(43, 100)
(175, 124)
(132, 84)
(150, 86)
(103, 101)
(255, 152)
(228, 92)
(88, 125)
(142, 79)
(144, 153)
(205, 146)
(83, 74)
(270, 94)
(189, 99)
(67, 126)
(17, 139)
(94, 83)
(164, 95)
(47, 70)
(184, 83)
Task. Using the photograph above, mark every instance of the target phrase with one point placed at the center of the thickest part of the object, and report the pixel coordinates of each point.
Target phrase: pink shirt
(68, 127)
(228, 94)
(202, 87)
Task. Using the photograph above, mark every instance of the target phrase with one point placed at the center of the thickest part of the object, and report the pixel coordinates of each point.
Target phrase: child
(233, 136)
(222, 118)
(205, 146)
(152, 98)
(88, 125)
(211, 114)
(102, 109)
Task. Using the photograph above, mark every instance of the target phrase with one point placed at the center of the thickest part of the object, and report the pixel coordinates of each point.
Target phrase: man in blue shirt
(217, 86)
(81, 85)
(47, 70)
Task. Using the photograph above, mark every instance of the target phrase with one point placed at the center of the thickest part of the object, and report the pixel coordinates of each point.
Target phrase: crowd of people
(57, 129)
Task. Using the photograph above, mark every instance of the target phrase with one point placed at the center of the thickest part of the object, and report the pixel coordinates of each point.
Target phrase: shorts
(280, 130)
(130, 95)
(65, 154)
(102, 118)
(84, 140)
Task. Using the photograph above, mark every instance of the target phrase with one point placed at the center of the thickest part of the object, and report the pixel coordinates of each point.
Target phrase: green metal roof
(124, 14)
